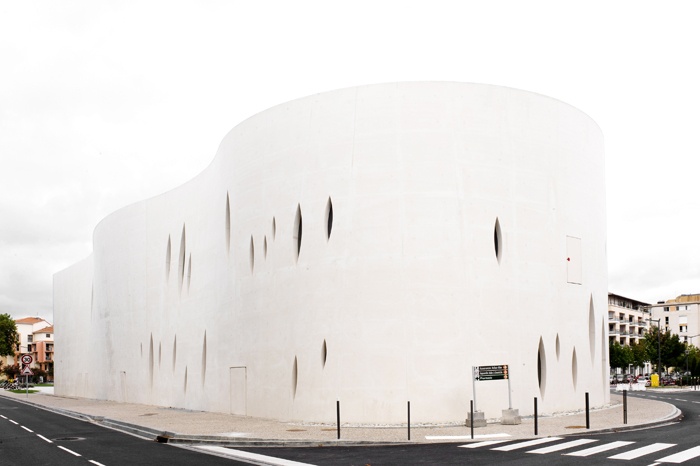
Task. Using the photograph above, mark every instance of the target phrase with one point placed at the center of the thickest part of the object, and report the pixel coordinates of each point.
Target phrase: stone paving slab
(183, 426)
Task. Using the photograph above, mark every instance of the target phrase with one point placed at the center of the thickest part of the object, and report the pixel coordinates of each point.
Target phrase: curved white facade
(368, 245)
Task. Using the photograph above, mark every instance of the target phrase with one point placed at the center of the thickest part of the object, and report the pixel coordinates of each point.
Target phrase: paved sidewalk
(196, 427)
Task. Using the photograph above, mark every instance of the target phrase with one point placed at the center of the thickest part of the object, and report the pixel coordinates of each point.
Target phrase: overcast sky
(107, 103)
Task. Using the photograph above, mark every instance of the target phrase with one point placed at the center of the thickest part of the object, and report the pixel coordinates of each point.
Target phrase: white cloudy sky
(106, 103)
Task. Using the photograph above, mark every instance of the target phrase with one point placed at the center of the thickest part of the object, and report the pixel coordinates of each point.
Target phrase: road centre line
(27, 429)
(96, 463)
(15, 423)
(2, 416)
(43, 438)
(69, 451)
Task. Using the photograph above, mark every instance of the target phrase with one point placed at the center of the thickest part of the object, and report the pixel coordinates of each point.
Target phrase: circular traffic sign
(27, 358)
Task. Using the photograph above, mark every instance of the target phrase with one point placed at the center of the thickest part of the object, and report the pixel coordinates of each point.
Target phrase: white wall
(407, 293)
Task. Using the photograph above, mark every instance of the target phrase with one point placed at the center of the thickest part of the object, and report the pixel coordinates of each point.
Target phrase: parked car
(643, 380)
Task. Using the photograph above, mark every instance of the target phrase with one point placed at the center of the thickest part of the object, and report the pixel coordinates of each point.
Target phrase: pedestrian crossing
(656, 452)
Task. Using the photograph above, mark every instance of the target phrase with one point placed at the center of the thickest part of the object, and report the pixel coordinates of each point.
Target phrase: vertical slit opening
(541, 368)
(185, 384)
(574, 368)
(174, 352)
(181, 263)
(297, 232)
(167, 260)
(228, 225)
(294, 378)
(497, 240)
(274, 228)
(150, 363)
(204, 358)
(329, 218)
(557, 347)
(265, 247)
(591, 328)
(189, 272)
(324, 354)
(252, 254)
(160, 354)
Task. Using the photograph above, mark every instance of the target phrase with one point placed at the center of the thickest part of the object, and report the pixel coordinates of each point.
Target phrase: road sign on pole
(27, 359)
(26, 371)
(483, 373)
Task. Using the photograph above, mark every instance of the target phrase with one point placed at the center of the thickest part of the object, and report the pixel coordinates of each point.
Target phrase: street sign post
(486, 373)
(27, 359)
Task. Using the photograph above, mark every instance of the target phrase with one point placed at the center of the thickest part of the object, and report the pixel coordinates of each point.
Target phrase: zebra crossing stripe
(562, 446)
(529, 443)
(485, 443)
(632, 454)
(681, 456)
(599, 448)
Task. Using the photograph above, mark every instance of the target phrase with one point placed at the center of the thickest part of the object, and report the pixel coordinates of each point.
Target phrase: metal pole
(535, 415)
(588, 419)
(471, 417)
(474, 387)
(510, 404)
(337, 411)
(624, 406)
(409, 420)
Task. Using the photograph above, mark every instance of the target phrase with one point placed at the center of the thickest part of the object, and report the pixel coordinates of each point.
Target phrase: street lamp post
(658, 327)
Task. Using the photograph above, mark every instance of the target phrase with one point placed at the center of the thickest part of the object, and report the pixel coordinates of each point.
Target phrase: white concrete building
(368, 245)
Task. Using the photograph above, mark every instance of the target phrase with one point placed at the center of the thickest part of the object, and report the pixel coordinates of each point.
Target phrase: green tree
(672, 350)
(9, 338)
(639, 353)
(620, 356)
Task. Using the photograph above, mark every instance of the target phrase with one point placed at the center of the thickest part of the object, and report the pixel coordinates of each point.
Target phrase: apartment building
(680, 316)
(35, 338)
(41, 350)
(627, 319)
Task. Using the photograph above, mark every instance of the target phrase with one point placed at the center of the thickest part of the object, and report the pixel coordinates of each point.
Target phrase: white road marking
(15, 423)
(69, 451)
(681, 456)
(599, 448)
(485, 443)
(464, 437)
(44, 438)
(529, 443)
(562, 446)
(632, 454)
(95, 462)
(2, 416)
(244, 455)
(27, 429)
(678, 399)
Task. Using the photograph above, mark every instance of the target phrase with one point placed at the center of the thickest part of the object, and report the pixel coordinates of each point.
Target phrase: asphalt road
(676, 443)
(33, 436)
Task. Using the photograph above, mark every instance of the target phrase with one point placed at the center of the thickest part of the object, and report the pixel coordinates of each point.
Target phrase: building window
(30, 338)
(666, 320)
(48, 335)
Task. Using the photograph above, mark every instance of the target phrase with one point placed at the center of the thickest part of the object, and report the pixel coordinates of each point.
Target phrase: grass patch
(24, 391)
(43, 385)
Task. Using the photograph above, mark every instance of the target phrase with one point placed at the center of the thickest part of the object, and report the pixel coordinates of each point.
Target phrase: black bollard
(409, 420)
(535, 415)
(588, 418)
(337, 413)
(624, 406)
(471, 417)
